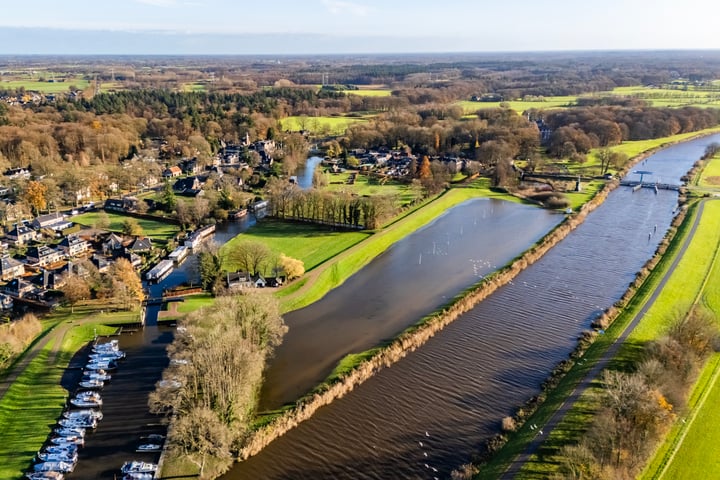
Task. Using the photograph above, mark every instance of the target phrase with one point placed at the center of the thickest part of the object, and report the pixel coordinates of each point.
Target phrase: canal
(428, 413)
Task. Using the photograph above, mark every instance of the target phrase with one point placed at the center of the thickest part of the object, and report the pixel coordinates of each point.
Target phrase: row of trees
(211, 387)
(638, 407)
(337, 209)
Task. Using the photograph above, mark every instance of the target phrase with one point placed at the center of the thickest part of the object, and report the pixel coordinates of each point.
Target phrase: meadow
(156, 230)
(313, 244)
(320, 125)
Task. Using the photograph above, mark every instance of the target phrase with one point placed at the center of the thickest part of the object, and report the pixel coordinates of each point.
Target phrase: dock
(657, 186)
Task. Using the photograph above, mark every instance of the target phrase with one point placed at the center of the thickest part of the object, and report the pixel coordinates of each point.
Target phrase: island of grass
(155, 229)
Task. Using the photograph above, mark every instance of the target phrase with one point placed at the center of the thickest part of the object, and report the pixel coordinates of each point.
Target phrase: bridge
(658, 186)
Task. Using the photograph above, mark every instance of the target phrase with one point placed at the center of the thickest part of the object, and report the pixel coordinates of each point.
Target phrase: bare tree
(250, 256)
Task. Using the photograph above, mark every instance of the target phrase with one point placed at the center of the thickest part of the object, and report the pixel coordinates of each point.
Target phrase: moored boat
(136, 466)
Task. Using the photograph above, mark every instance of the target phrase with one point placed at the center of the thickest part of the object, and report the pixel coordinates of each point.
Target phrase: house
(259, 281)
(190, 166)
(18, 288)
(188, 186)
(72, 245)
(114, 245)
(101, 262)
(10, 268)
(172, 172)
(238, 280)
(18, 173)
(135, 260)
(125, 204)
(275, 281)
(21, 235)
(140, 245)
(43, 255)
(54, 221)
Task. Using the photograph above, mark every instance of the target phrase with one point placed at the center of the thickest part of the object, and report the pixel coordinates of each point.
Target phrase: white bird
(541, 432)
(427, 434)
(421, 444)
(427, 466)
(425, 453)
(434, 469)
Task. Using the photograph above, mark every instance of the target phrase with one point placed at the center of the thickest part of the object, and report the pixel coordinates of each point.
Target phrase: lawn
(154, 229)
(367, 185)
(329, 125)
(313, 244)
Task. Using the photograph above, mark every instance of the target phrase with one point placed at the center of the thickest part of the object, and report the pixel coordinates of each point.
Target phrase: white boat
(101, 365)
(58, 457)
(96, 375)
(69, 431)
(68, 448)
(196, 238)
(86, 422)
(62, 467)
(149, 448)
(83, 414)
(91, 383)
(112, 345)
(45, 476)
(63, 441)
(85, 402)
(138, 476)
(107, 356)
(138, 467)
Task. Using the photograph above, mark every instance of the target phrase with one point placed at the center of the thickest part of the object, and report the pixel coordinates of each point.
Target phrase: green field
(319, 125)
(313, 244)
(470, 107)
(669, 97)
(710, 176)
(154, 229)
(380, 92)
(366, 185)
(45, 87)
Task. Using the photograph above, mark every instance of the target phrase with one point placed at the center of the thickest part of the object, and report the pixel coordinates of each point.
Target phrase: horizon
(339, 27)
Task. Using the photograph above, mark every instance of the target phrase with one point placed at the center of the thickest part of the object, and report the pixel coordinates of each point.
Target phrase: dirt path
(544, 431)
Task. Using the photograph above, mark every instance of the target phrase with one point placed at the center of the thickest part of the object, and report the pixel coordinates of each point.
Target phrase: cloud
(337, 7)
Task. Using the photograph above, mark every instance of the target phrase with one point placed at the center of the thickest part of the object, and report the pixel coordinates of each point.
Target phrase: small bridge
(658, 186)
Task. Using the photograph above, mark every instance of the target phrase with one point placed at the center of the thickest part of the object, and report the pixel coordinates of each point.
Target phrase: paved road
(519, 461)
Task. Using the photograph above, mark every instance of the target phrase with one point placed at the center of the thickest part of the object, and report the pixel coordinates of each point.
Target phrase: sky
(353, 26)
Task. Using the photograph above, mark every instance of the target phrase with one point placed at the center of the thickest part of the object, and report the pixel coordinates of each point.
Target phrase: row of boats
(60, 455)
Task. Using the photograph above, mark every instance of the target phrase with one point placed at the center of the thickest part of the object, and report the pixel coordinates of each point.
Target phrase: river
(429, 412)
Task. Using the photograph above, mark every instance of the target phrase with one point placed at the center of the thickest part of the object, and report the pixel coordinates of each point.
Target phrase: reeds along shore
(416, 335)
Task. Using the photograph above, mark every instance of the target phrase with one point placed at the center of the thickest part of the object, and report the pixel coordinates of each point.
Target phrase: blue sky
(353, 26)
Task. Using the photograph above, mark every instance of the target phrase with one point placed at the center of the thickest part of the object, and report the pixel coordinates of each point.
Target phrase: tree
(34, 195)
(424, 171)
(250, 256)
(127, 286)
(210, 269)
(132, 227)
(292, 267)
(168, 197)
(103, 220)
(76, 288)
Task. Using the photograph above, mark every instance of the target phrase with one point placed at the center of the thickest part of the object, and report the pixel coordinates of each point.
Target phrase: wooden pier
(659, 186)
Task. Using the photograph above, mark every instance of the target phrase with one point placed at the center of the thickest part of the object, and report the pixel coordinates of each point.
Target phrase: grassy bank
(313, 244)
(338, 269)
